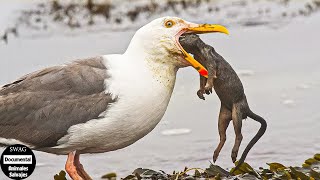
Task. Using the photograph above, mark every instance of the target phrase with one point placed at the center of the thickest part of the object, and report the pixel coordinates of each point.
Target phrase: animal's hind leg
(237, 124)
(224, 120)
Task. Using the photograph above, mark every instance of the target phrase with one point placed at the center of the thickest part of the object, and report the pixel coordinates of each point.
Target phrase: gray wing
(39, 108)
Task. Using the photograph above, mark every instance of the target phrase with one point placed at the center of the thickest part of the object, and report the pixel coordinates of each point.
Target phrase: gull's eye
(169, 23)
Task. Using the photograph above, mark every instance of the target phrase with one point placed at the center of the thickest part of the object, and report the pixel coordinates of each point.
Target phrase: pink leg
(71, 168)
(80, 168)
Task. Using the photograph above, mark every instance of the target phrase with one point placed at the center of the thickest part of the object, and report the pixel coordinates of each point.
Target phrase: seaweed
(310, 170)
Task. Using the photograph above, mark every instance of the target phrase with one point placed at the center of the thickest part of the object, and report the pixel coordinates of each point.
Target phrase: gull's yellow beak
(207, 28)
(200, 29)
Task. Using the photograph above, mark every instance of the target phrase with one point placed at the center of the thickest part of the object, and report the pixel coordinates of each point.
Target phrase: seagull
(99, 104)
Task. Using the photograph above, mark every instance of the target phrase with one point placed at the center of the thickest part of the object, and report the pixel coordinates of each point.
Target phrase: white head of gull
(99, 104)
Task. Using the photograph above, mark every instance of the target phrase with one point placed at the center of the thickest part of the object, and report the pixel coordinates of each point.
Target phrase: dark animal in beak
(228, 87)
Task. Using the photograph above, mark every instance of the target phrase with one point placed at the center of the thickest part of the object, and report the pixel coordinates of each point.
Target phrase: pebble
(172, 132)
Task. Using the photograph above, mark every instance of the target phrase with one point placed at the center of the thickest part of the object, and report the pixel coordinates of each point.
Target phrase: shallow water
(282, 85)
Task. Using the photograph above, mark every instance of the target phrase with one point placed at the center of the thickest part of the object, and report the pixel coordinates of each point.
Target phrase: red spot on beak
(203, 72)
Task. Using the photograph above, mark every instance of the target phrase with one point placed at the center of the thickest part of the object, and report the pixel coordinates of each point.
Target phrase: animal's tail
(253, 141)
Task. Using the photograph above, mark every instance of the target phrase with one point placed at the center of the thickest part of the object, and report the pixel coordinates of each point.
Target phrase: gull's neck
(151, 60)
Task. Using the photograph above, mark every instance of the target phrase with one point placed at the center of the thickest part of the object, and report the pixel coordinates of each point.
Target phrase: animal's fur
(228, 87)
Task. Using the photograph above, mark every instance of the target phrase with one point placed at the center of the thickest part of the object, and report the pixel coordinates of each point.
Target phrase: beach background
(273, 46)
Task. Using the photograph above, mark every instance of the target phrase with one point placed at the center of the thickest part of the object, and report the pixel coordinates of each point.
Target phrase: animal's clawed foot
(200, 94)
(205, 90)
(208, 87)
(234, 156)
(215, 156)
